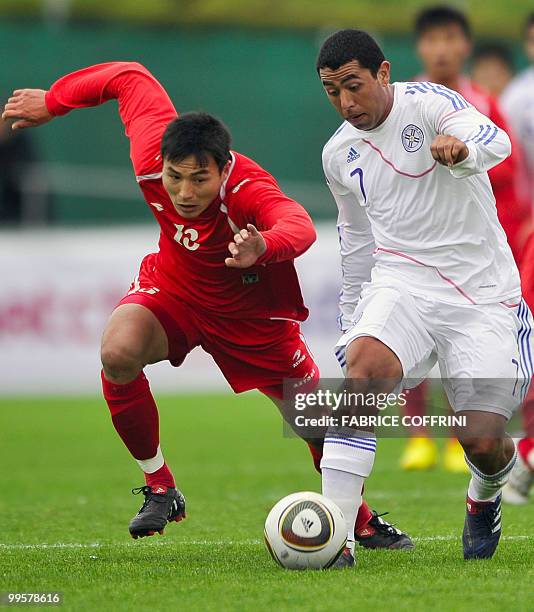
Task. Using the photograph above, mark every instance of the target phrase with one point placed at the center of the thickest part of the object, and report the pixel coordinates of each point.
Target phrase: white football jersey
(435, 228)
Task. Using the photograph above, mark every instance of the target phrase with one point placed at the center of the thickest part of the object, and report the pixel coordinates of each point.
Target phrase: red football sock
(135, 416)
(364, 513)
(527, 410)
(163, 476)
(525, 447)
(416, 406)
(317, 454)
(364, 516)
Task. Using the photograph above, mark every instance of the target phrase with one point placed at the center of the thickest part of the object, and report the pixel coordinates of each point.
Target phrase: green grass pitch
(65, 504)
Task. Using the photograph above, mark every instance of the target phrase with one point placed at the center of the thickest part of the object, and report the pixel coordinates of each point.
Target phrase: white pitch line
(95, 545)
(450, 538)
(67, 545)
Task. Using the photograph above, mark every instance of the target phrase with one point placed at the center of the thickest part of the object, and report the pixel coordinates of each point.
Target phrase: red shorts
(527, 272)
(251, 353)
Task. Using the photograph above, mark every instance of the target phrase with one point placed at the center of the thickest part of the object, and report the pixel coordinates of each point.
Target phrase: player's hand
(448, 150)
(246, 248)
(28, 108)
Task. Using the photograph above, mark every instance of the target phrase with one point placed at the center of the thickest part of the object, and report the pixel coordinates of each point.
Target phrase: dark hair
(494, 50)
(439, 16)
(529, 22)
(349, 45)
(197, 134)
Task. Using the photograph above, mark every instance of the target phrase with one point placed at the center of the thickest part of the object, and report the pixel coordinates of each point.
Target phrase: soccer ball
(305, 531)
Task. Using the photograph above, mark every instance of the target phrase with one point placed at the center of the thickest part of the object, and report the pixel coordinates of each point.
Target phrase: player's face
(443, 50)
(192, 187)
(492, 75)
(529, 44)
(359, 97)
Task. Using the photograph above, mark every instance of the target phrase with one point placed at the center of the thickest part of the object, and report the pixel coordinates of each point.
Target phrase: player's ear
(226, 170)
(383, 73)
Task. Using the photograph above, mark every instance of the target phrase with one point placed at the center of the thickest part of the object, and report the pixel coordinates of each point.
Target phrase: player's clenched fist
(27, 107)
(247, 247)
(448, 150)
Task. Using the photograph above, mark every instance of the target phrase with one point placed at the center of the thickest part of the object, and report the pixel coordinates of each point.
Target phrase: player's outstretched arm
(144, 106)
(27, 108)
(282, 229)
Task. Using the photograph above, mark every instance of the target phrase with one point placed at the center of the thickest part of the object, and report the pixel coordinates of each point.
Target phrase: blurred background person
(492, 68)
(24, 196)
(518, 105)
(518, 102)
(444, 44)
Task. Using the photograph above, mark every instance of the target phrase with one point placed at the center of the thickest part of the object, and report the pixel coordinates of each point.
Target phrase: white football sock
(149, 466)
(345, 489)
(347, 460)
(486, 487)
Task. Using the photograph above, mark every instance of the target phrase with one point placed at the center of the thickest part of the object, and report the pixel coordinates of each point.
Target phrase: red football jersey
(190, 262)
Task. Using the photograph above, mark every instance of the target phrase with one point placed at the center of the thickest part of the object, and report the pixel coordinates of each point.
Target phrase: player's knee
(374, 366)
(120, 363)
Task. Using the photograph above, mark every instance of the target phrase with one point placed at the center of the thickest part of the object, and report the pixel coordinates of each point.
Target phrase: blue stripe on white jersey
(494, 133)
(486, 133)
(458, 102)
(525, 352)
(462, 102)
(481, 129)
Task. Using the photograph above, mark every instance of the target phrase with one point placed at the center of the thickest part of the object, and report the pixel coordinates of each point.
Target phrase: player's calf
(490, 454)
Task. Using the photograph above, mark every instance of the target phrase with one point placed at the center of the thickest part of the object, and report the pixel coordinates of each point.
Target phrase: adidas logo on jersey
(352, 155)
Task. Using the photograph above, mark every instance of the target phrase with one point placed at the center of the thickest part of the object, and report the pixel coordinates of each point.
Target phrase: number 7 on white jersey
(359, 172)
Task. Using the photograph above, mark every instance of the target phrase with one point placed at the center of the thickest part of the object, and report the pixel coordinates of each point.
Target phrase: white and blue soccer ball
(305, 531)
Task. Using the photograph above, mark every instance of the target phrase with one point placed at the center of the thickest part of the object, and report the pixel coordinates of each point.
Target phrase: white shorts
(485, 352)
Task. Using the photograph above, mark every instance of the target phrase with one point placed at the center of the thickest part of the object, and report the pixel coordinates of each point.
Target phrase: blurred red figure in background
(444, 43)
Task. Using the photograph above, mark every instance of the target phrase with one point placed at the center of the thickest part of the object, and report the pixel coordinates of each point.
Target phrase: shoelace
(383, 526)
(145, 490)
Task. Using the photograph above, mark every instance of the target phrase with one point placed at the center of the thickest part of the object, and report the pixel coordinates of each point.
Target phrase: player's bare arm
(28, 108)
(448, 150)
(247, 247)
